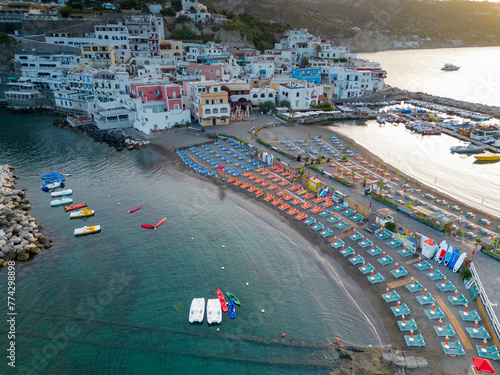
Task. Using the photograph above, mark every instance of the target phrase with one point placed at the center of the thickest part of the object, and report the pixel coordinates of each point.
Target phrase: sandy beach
(439, 363)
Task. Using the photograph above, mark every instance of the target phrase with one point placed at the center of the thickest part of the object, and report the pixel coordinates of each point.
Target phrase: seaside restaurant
(438, 219)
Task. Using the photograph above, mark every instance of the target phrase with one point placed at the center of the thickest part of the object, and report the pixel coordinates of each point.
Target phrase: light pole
(460, 218)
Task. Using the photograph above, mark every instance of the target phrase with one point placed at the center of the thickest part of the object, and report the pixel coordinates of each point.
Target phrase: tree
(266, 107)
(193, 10)
(304, 61)
(176, 4)
(285, 103)
(168, 12)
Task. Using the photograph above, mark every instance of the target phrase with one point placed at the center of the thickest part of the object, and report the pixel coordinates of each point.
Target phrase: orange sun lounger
(259, 193)
(288, 197)
(253, 177)
(245, 185)
(238, 182)
(306, 205)
(252, 189)
(259, 170)
(292, 211)
(232, 179)
(295, 187)
(309, 196)
(277, 179)
(302, 191)
(277, 201)
(318, 200)
(282, 193)
(296, 201)
(270, 197)
(284, 182)
(264, 172)
(273, 187)
(247, 174)
(328, 203)
(259, 180)
(301, 216)
(284, 206)
(265, 183)
(317, 209)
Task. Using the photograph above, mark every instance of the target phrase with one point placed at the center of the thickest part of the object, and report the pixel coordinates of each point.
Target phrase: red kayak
(160, 222)
(222, 300)
(75, 206)
(135, 209)
(149, 226)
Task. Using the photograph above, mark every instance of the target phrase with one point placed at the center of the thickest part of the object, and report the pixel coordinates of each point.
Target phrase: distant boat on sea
(450, 67)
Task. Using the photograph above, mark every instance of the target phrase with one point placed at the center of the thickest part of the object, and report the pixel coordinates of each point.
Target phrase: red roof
(483, 365)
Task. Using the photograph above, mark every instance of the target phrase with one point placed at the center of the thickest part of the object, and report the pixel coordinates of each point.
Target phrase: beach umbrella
(475, 325)
(484, 345)
(419, 260)
(447, 339)
(425, 292)
(403, 317)
(433, 307)
(483, 365)
(411, 334)
(386, 288)
(440, 324)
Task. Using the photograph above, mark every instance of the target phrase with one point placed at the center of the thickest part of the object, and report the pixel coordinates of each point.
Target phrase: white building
(144, 34)
(260, 67)
(71, 101)
(109, 83)
(264, 94)
(301, 95)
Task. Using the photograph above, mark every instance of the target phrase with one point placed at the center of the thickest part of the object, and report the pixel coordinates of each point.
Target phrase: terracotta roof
(321, 97)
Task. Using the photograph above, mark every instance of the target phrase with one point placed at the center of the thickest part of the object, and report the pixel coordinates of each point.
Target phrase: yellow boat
(87, 230)
(84, 212)
(487, 156)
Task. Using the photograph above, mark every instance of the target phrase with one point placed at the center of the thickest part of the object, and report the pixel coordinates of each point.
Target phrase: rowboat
(61, 192)
(232, 297)
(222, 300)
(52, 185)
(214, 313)
(84, 212)
(148, 226)
(75, 206)
(160, 222)
(197, 310)
(52, 175)
(135, 209)
(232, 312)
(60, 201)
(87, 230)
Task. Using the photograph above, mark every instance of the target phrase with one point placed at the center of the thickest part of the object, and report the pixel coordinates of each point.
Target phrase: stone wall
(19, 234)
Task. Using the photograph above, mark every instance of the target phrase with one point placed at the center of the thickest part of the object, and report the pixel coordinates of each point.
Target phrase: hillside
(367, 25)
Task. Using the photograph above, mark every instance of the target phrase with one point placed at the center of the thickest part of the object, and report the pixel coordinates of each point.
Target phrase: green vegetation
(390, 226)
(260, 33)
(183, 34)
(492, 253)
(324, 107)
(465, 273)
(262, 142)
(233, 137)
(266, 107)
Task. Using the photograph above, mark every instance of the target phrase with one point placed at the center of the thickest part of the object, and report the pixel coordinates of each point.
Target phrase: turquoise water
(117, 302)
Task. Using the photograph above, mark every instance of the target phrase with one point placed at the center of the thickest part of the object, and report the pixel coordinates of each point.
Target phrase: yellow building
(209, 103)
(170, 49)
(98, 56)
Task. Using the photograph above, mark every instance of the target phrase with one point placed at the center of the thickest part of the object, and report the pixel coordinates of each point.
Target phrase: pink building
(211, 72)
(168, 95)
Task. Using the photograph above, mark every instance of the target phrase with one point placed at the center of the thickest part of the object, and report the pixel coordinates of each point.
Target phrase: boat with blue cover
(232, 310)
(52, 175)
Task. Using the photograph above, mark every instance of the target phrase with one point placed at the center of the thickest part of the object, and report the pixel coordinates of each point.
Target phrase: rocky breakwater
(114, 137)
(19, 234)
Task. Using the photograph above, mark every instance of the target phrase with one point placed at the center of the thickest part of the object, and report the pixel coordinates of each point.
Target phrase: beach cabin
(429, 247)
(314, 184)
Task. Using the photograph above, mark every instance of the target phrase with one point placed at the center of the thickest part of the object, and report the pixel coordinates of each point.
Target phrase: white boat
(61, 192)
(214, 311)
(197, 310)
(468, 149)
(450, 67)
(87, 230)
(84, 212)
(60, 201)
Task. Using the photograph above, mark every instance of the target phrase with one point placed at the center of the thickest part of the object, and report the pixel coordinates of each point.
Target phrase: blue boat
(52, 175)
(54, 179)
(52, 185)
(232, 312)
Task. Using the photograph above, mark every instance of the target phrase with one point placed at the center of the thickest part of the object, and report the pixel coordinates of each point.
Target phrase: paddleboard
(459, 262)
(148, 226)
(442, 245)
(135, 209)
(447, 257)
(442, 254)
(454, 258)
(160, 222)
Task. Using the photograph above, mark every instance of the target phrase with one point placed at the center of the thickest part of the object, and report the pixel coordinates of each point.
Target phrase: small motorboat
(214, 313)
(148, 226)
(87, 230)
(487, 156)
(75, 206)
(52, 185)
(468, 149)
(232, 310)
(222, 300)
(197, 310)
(61, 192)
(135, 209)
(232, 297)
(83, 212)
(160, 222)
(450, 67)
(60, 201)
(52, 175)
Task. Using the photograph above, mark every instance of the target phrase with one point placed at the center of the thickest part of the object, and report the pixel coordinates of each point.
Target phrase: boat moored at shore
(468, 149)
(87, 230)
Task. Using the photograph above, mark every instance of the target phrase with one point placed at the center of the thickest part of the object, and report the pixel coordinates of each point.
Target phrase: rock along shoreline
(19, 234)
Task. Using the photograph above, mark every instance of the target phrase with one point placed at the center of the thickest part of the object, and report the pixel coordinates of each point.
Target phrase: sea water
(117, 302)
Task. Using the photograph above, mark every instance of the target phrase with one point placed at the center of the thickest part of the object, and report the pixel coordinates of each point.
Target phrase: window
(215, 111)
(176, 106)
(255, 95)
(221, 101)
(262, 95)
(157, 93)
(215, 89)
(207, 111)
(223, 110)
(207, 101)
(297, 95)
